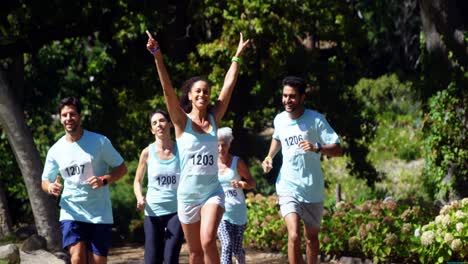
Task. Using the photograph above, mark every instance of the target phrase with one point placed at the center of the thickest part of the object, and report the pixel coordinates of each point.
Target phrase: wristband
(103, 180)
(49, 188)
(318, 147)
(236, 59)
(154, 50)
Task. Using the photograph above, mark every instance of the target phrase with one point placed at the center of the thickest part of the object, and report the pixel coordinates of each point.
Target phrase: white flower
(427, 238)
(459, 214)
(444, 210)
(456, 244)
(464, 202)
(459, 227)
(445, 220)
(416, 232)
(340, 205)
(448, 238)
(438, 219)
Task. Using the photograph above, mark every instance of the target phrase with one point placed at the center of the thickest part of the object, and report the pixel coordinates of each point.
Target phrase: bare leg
(294, 239)
(96, 259)
(312, 243)
(192, 236)
(211, 215)
(78, 253)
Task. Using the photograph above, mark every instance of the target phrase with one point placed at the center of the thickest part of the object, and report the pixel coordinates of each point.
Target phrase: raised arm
(229, 82)
(178, 116)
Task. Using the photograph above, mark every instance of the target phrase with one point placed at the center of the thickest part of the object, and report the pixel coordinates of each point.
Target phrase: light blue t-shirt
(300, 175)
(163, 179)
(198, 164)
(77, 161)
(235, 208)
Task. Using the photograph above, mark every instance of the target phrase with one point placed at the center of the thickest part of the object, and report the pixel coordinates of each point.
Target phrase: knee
(294, 238)
(77, 258)
(312, 239)
(208, 242)
(196, 255)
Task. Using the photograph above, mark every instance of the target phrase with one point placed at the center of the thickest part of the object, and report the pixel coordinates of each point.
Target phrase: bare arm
(247, 181)
(178, 116)
(139, 175)
(229, 82)
(332, 150)
(267, 163)
(54, 188)
(116, 173)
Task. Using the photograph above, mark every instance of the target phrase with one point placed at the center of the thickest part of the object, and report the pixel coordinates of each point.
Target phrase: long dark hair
(186, 87)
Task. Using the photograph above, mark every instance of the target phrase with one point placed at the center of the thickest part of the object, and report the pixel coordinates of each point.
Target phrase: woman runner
(234, 176)
(200, 195)
(163, 232)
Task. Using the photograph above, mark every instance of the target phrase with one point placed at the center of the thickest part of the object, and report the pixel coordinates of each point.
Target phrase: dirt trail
(134, 255)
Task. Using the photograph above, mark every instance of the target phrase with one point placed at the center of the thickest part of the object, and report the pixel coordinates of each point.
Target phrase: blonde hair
(225, 134)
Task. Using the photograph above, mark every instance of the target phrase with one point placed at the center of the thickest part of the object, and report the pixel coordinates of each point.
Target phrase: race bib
(202, 163)
(167, 182)
(77, 173)
(291, 142)
(233, 195)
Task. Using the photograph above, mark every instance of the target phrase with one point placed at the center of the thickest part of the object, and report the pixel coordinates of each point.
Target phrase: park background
(390, 77)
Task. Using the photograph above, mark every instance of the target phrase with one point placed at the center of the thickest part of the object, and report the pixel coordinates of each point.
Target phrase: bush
(446, 238)
(265, 227)
(124, 205)
(381, 231)
(446, 154)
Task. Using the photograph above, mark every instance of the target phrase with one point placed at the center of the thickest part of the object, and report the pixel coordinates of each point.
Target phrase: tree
(21, 141)
(5, 218)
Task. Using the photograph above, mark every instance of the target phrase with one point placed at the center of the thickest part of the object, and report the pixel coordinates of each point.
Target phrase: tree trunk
(446, 19)
(21, 141)
(5, 218)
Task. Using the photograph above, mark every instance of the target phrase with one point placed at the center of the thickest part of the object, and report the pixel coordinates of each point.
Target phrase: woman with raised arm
(163, 232)
(200, 195)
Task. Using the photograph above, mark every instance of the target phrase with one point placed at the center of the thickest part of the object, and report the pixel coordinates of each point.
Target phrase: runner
(234, 177)
(303, 135)
(200, 195)
(163, 232)
(82, 159)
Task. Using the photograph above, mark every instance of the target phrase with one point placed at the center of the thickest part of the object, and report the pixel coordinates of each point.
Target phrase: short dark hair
(162, 112)
(69, 101)
(296, 82)
(186, 87)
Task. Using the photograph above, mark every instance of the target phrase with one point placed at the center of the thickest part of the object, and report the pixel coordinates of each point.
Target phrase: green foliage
(446, 155)
(335, 172)
(17, 195)
(446, 238)
(124, 205)
(381, 231)
(265, 227)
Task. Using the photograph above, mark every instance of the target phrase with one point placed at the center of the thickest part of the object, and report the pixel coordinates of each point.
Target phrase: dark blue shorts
(96, 236)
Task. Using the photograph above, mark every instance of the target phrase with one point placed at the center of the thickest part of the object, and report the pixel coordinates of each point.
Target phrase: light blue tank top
(235, 208)
(163, 179)
(199, 164)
